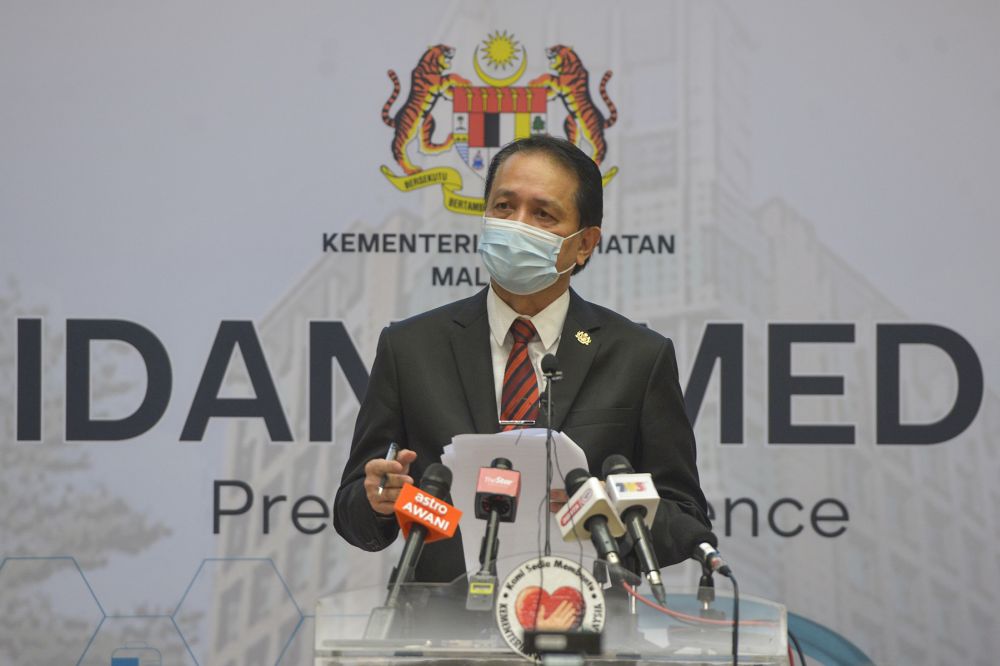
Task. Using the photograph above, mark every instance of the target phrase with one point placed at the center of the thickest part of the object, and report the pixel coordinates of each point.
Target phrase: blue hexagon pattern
(49, 605)
(252, 621)
(146, 640)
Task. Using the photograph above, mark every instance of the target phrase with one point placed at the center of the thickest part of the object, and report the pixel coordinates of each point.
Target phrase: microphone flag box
(628, 490)
(588, 501)
(496, 483)
(417, 507)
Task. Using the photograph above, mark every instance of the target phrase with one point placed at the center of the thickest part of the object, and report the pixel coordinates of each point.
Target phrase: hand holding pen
(390, 455)
(385, 476)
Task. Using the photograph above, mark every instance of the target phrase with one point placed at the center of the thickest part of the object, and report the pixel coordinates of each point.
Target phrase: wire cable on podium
(694, 619)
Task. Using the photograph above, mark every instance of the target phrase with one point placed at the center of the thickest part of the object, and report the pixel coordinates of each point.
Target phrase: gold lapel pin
(583, 337)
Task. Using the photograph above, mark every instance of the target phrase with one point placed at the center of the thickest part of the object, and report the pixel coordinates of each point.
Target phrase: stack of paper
(525, 449)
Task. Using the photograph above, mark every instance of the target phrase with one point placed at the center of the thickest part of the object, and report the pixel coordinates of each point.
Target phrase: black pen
(390, 455)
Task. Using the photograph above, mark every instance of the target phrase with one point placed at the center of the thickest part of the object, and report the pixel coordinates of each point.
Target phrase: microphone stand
(383, 617)
(706, 595)
(482, 585)
(490, 546)
(552, 373)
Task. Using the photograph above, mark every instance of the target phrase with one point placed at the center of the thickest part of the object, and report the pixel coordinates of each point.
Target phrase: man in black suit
(442, 373)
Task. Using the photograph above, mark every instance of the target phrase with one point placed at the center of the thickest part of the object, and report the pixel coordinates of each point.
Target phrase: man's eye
(543, 214)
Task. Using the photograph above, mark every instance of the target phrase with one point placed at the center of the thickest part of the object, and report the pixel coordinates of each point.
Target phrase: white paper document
(525, 449)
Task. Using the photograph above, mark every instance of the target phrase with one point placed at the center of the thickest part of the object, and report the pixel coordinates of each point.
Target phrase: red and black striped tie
(519, 399)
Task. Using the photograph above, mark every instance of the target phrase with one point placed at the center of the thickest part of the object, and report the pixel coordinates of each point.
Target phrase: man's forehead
(535, 176)
(535, 159)
(533, 197)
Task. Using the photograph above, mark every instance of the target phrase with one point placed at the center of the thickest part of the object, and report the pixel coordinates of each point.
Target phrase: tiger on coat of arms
(571, 84)
(428, 83)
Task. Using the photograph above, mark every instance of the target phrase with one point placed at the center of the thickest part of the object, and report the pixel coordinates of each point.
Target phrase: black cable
(736, 619)
(548, 509)
(798, 648)
(548, 463)
(542, 511)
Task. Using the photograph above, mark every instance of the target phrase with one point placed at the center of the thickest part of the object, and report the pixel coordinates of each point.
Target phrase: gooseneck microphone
(588, 514)
(694, 538)
(550, 367)
(636, 499)
(497, 492)
(552, 373)
(423, 517)
(711, 558)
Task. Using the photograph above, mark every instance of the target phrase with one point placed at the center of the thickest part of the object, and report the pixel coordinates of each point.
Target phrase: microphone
(693, 537)
(497, 492)
(552, 373)
(550, 367)
(588, 514)
(423, 517)
(635, 499)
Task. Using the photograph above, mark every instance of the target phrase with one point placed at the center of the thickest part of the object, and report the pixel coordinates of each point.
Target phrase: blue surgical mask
(520, 257)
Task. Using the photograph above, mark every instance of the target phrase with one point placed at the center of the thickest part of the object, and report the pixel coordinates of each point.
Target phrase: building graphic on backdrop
(689, 169)
(892, 583)
(49, 613)
(486, 117)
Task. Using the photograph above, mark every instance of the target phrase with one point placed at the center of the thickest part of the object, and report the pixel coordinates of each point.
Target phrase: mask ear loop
(573, 265)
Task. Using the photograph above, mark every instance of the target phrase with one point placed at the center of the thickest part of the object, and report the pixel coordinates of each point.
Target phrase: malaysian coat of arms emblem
(484, 118)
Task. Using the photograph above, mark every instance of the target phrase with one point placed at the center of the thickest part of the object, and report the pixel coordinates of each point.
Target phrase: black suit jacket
(433, 378)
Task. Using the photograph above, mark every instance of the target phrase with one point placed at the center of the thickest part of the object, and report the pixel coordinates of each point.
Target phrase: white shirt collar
(549, 322)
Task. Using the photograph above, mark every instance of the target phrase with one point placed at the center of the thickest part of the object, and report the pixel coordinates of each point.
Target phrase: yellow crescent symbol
(499, 83)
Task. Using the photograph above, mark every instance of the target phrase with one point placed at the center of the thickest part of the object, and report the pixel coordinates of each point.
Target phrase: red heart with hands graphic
(561, 611)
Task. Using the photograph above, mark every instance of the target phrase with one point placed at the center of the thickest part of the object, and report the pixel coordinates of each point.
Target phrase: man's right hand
(398, 471)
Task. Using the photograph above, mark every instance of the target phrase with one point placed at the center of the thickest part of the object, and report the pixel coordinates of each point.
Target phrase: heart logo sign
(548, 594)
(560, 611)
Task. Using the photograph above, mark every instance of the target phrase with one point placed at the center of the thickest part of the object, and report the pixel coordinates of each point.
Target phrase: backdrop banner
(211, 210)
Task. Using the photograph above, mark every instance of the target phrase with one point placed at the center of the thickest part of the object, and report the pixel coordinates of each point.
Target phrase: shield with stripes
(485, 118)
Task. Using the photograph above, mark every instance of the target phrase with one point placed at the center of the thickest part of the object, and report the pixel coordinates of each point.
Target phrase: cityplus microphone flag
(588, 501)
(417, 507)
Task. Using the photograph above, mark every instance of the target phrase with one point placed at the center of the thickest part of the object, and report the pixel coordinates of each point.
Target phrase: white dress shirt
(548, 323)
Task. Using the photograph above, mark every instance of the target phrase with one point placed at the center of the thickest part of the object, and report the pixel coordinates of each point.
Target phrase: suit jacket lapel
(470, 344)
(575, 356)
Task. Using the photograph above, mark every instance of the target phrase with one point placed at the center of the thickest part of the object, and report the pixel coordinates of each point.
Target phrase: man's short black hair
(589, 188)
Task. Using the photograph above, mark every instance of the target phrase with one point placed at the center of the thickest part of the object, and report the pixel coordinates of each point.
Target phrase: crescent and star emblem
(499, 51)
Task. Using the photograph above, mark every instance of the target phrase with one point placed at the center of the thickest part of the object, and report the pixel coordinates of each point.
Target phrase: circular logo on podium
(548, 594)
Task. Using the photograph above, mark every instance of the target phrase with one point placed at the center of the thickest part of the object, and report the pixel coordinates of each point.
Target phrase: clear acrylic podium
(432, 625)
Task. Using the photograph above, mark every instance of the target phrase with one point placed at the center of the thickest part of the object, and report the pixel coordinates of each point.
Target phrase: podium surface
(432, 625)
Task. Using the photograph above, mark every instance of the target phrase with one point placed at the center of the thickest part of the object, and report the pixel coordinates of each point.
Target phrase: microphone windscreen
(436, 480)
(550, 364)
(502, 463)
(576, 478)
(616, 464)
